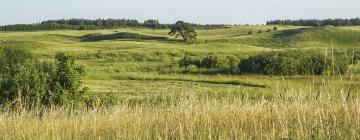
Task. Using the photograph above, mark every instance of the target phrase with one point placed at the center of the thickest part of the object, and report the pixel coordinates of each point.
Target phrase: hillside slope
(306, 38)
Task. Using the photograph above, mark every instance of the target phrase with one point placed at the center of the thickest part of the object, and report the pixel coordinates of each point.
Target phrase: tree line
(87, 24)
(316, 22)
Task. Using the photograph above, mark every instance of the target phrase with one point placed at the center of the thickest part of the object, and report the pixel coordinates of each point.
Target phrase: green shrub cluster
(26, 82)
(271, 63)
(187, 61)
(295, 63)
(225, 63)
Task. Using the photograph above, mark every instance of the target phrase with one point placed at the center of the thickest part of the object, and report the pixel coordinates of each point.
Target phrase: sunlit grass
(192, 117)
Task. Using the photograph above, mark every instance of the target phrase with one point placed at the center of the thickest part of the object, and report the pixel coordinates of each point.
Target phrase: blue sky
(169, 11)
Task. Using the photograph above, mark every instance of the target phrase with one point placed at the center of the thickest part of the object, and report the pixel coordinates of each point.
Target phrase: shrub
(20, 79)
(275, 28)
(292, 63)
(341, 63)
(250, 32)
(66, 82)
(256, 64)
(312, 65)
(210, 61)
(233, 62)
(25, 82)
(187, 61)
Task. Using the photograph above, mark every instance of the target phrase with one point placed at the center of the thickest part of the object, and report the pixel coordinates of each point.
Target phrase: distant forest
(317, 23)
(86, 24)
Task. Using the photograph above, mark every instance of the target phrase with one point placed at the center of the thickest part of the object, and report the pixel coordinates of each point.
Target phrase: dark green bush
(271, 63)
(26, 82)
(209, 61)
(187, 61)
(211, 64)
(341, 64)
(312, 64)
(66, 82)
(293, 63)
(233, 62)
(213, 61)
(20, 79)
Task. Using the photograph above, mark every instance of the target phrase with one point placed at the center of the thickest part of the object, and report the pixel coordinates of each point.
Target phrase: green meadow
(156, 99)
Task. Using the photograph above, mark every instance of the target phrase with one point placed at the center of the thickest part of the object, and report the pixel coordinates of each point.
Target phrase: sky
(169, 11)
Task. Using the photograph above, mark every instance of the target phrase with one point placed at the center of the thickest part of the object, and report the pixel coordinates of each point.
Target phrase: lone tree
(184, 30)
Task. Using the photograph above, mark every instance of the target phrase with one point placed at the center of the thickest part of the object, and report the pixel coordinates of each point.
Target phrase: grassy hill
(137, 51)
(305, 37)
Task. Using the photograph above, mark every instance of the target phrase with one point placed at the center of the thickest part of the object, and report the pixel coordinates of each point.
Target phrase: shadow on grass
(221, 82)
(293, 32)
(122, 36)
(288, 33)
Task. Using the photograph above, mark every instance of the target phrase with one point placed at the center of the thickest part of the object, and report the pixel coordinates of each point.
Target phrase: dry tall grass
(290, 117)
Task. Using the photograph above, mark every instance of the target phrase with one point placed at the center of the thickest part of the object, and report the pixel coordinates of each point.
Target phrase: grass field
(156, 102)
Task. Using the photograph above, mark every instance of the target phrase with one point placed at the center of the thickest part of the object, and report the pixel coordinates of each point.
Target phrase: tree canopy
(87, 24)
(183, 29)
(316, 22)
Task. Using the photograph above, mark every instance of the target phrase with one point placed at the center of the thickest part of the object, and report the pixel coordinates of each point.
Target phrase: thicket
(86, 24)
(274, 63)
(26, 82)
(224, 64)
(295, 63)
(316, 22)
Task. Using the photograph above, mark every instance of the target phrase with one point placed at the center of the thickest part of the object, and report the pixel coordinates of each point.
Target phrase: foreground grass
(327, 111)
(193, 118)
